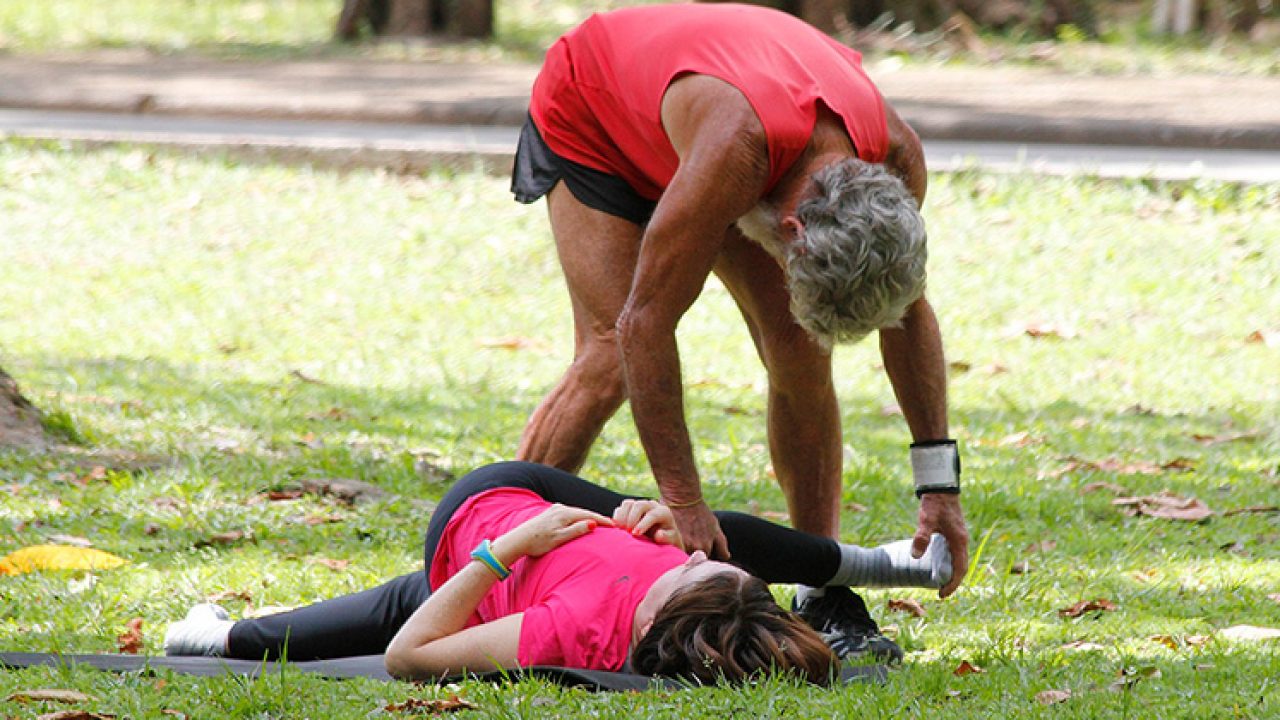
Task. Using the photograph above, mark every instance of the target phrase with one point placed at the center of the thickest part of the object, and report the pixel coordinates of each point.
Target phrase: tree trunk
(417, 18)
(20, 421)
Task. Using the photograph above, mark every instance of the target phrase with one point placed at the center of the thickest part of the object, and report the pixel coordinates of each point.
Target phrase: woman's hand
(547, 531)
(648, 518)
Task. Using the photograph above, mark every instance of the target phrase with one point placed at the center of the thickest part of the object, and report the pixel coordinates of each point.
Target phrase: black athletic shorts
(538, 169)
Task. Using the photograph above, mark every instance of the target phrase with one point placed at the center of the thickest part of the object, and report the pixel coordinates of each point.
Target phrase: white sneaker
(203, 631)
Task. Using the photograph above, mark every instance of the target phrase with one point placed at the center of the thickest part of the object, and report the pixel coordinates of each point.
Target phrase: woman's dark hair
(728, 627)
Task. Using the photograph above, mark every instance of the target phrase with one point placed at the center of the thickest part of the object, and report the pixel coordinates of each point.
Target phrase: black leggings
(365, 622)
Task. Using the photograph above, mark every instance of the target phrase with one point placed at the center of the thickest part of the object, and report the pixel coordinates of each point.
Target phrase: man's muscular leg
(804, 418)
(598, 255)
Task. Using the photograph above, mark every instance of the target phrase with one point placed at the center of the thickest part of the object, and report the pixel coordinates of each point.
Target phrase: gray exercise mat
(369, 666)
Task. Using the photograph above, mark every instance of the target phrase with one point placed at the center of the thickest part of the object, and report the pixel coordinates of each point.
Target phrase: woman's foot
(203, 631)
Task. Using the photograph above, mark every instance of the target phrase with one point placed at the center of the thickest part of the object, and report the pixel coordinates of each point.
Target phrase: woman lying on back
(528, 565)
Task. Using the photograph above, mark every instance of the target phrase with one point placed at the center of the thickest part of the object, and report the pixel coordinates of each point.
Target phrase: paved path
(1006, 104)
(420, 146)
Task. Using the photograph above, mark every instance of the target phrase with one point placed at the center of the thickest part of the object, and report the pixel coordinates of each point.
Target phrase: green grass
(170, 312)
(283, 29)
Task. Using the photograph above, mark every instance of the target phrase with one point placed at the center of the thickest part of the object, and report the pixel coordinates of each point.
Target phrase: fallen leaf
(1274, 597)
(1084, 606)
(967, 668)
(1253, 509)
(1228, 438)
(286, 494)
(1112, 488)
(57, 557)
(513, 342)
(99, 472)
(1269, 338)
(129, 642)
(1249, 633)
(1082, 645)
(855, 507)
(1164, 505)
(344, 490)
(334, 565)
(168, 503)
(421, 706)
(890, 411)
(49, 695)
(223, 538)
(306, 378)
(993, 369)
(1053, 697)
(225, 595)
(1196, 640)
(911, 606)
(325, 519)
(75, 715)
(333, 413)
(174, 713)
(309, 440)
(1020, 568)
(1055, 331)
(958, 366)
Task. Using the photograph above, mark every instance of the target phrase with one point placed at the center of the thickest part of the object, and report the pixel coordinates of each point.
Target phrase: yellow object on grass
(57, 557)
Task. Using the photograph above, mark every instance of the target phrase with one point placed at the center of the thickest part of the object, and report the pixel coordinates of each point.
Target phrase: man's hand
(648, 518)
(701, 531)
(941, 513)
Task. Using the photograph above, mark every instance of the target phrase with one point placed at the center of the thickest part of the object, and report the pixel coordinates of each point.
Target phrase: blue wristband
(484, 553)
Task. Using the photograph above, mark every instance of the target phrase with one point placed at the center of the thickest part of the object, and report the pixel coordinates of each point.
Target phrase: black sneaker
(841, 618)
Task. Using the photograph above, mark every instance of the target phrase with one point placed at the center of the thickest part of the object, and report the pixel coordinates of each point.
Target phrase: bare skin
(625, 320)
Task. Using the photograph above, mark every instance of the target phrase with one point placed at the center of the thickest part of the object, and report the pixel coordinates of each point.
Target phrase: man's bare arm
(723, 169)
(914, 362)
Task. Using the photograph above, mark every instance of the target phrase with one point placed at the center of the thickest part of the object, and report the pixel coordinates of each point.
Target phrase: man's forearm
(914, 362)
(651, 364)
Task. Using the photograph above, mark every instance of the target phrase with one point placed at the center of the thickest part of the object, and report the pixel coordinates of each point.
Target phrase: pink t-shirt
(578, 600)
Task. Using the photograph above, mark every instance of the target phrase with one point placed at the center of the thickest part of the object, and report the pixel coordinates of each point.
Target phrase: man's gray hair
(861, 259)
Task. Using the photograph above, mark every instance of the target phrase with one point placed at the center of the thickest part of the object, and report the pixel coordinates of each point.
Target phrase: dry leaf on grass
(75, 715)
(325, 519)
(284, 494)
(129, 642)
(1164, 505)
(229, 537)
(967, 668)
(513, 342)
(959, 366)
(343, 489)
(1204, 439)
(1120, 467)
(1084, 606)
(1053, 697)
(911, 606)
(49, 695)
(1250, 633)
(1174, 643)
(57, 557)
(1270, 338)
(1054, 331)
(420, 706)
(225, 595)
(334, 565)
(1020, 568)
(1274, 597)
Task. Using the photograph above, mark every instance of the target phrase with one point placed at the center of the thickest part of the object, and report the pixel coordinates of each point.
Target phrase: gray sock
(892, 565)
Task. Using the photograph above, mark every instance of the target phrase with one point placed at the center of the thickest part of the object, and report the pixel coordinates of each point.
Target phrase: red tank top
(598, 98)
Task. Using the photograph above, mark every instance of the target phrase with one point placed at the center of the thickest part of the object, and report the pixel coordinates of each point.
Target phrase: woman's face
(696, 569)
